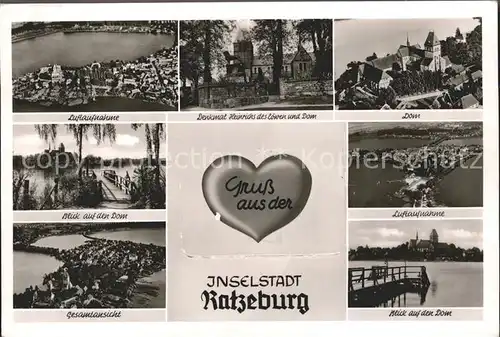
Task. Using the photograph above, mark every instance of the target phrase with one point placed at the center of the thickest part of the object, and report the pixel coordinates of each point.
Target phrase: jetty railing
(124, 184)
(377, 275)
(372, 286)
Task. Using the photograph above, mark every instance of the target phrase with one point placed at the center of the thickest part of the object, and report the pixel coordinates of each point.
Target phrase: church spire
(416, 235)
(407, 40)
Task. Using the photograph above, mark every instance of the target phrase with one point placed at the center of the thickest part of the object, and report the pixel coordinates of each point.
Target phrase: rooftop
(431, 40)
(384, 62)
(468, 101)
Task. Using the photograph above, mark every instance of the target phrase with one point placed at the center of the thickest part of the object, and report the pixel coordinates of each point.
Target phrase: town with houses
(440, 74)
(151, 78)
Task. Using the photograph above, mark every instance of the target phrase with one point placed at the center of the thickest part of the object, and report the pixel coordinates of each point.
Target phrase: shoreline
(373, 136)
(402, 261)
(81, 231)
(36, 34)
(26, 106)
(33, 36)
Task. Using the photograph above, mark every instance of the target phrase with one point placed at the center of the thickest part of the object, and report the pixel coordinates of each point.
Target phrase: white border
(485, 9)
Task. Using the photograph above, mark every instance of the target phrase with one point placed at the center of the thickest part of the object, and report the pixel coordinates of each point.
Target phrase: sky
(128, 143)
(462, 233)
(249, 24)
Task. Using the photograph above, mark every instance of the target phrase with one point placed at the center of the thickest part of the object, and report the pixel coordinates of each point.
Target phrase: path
(269, 106)
(116, 190)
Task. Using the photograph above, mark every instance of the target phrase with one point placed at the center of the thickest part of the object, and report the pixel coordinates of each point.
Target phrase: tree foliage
(413, 82)
(405, 252)
(201, 47)
(319, 33)
(272, 35)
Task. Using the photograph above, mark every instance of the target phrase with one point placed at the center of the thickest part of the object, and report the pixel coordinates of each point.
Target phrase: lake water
(40, 178)
(356, 39)
(365, 191)
(78, 49)
(453, 284)
(30, 267)
(61, 241)
(464, 186)
(101, 104)
(150, 235)
(384, 143)
(461, 188)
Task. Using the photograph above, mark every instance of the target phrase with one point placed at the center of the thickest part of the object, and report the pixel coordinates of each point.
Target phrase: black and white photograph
(95, 66)
(415, 164)
(89, 166)
(89, 265)
(416, 263)
(256, 65)
(408, 64)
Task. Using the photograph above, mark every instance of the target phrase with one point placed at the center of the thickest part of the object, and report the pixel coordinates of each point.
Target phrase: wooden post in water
(26, 190)
(99, 186)
(350, 280)
(374, 275)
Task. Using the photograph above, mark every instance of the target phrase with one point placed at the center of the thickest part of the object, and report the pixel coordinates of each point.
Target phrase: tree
(458, 34)
(396, 67)
(474, 45)
(101, 132)
(372, 57)
(154, 134)
(203, 42)
(387, 96)
(272, 35)
(319, 32)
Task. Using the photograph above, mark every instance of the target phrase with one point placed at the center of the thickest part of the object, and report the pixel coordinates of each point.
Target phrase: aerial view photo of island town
(416, 164)
(95, 66)
(416, 263)
(256, 65)
(89, 166)
(89, 265)
(408, 64)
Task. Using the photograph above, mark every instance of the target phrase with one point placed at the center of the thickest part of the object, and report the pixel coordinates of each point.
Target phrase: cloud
(387, 232)
(126, 140)
(26, 140)
(462, 233)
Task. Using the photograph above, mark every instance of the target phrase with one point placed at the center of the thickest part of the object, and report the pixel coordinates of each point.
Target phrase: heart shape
(257, 201)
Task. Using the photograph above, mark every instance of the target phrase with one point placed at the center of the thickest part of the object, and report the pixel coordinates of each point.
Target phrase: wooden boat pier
(374, 286)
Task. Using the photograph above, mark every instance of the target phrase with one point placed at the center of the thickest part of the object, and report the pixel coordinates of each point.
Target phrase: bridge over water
(379, 285)
(116, 191)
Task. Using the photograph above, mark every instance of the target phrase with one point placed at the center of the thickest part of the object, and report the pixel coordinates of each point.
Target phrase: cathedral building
(378, 70)
(297, 65)
(414, 57)
(432, 245)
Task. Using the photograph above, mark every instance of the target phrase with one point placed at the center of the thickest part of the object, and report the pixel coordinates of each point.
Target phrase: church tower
(432, 46)
(243, 48)
(434, 238)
